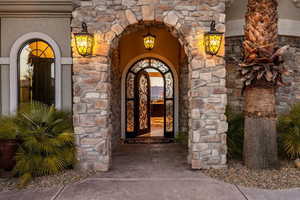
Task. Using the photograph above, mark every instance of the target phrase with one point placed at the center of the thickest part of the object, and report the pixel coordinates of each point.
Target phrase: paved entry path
(151, 172)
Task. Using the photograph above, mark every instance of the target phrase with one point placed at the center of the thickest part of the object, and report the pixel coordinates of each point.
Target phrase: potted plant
(8, 142)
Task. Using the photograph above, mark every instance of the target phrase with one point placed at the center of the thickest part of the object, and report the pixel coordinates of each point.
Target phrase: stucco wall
(289, 18)
(286, 9)
(166, 46)
(57, 28)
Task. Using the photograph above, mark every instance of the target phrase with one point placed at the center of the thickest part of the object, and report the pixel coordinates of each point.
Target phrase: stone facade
(93, 85)
(286, 96)
(115, 106)
(183, 96)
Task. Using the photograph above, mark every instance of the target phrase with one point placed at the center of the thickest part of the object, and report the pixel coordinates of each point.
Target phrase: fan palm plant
(47, 142)
(262, 70)
(289, 132)
(235, 133)
(8, 129)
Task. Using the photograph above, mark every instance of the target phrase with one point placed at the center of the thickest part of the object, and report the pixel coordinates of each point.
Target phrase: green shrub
(289, 133)
(8, 128)
(182, 138)
(47, 142)
(235, 134)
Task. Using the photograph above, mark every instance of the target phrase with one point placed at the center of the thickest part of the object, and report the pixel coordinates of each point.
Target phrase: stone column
(91, 90)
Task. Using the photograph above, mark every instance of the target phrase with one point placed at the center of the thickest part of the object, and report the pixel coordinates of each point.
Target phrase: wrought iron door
(142, 104)
(138, 106)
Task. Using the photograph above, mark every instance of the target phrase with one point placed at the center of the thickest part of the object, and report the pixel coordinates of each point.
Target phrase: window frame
(19, 44)
(19, 66)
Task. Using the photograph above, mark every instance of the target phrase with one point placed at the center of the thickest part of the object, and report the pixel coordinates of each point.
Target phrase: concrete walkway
(151, 172)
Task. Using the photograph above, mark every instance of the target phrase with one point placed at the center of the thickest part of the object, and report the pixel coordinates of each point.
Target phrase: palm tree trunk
(260, 141)
(261, 34)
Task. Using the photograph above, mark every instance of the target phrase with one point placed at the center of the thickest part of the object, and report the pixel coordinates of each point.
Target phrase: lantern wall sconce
(149, 40)
(213, 40)
(84, 41)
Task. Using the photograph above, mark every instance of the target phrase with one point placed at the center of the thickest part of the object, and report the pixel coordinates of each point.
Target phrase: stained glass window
(130, 116)
(140, 65)
(159, 65)
(143, 102)
(130, 85)
(169, 85)
(169, 115)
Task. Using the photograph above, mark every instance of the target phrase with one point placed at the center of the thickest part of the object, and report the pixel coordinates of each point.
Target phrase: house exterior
(289, 34)
(109, 92)
(22, 21)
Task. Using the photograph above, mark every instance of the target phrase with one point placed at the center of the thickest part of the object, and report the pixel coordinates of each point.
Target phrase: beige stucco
(289, 18)
(236, 10)
(45, 8)
(287, 10)
(58, 29)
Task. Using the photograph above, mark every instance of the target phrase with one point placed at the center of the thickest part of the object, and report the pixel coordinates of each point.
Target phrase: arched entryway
(98, 85)
(166, 67)
(149, 99)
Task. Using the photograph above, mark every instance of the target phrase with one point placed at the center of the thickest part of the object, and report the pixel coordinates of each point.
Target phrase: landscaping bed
(284, 178)
(39, 183)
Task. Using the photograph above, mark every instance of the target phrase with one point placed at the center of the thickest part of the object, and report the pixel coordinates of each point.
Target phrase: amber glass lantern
(213, 40)
(149, 40)
(84, 41)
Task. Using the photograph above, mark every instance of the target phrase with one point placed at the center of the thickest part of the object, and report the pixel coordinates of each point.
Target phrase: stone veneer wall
(115, 106)
(286, 96)
(187, 20)
(183, 96)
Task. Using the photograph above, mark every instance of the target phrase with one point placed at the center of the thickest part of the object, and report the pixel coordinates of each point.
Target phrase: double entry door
(141, 98)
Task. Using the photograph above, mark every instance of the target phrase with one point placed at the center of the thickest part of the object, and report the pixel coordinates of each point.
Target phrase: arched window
(36, 73)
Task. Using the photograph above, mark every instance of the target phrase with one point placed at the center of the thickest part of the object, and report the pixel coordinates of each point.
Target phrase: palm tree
(262, 72)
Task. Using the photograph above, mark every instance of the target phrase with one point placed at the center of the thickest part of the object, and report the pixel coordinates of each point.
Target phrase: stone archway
(92, 82)
(119, 70)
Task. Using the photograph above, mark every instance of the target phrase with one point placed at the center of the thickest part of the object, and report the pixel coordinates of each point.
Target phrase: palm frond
(47, 142)
(289, 132)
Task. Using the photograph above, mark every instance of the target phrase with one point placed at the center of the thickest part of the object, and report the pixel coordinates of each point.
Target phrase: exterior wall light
(213, 40)
(84, 41)
(149, 40)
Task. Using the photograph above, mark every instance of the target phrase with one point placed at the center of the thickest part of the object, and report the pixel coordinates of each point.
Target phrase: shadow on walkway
(151, 172)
